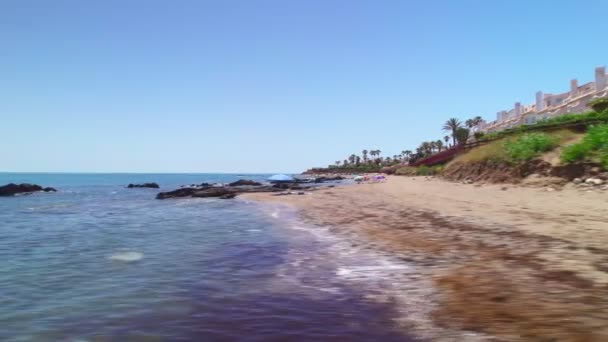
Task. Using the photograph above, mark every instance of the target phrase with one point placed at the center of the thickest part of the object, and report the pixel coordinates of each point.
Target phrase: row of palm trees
(459, 134)
(374, 157)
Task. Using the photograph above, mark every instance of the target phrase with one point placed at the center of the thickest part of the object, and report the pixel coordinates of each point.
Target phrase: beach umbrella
(281, 178)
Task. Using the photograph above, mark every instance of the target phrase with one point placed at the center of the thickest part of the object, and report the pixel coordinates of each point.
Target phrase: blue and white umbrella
(281, 178)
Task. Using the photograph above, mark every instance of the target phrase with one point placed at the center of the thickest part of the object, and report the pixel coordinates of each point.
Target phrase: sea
(96, 261)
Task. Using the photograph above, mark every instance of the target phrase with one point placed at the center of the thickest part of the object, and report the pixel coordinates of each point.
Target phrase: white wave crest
(126, 256)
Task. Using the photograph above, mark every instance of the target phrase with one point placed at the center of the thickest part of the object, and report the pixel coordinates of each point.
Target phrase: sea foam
(126, 256)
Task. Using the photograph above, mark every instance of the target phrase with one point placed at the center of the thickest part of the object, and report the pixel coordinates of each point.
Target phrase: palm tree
(433, 146)
(352, 158)
(378, 157)
(425, 147)
(338, 163)
(358, 160)
(345, 162)
(439, 145)
(406, 154)
(451, 126)
(446, 139)
(470, 123)
(364, 152)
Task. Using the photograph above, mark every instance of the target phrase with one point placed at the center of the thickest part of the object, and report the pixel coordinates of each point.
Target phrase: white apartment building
(550, 105)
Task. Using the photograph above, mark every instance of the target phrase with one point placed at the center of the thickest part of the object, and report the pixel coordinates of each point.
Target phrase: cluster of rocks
(244, 182)
(324, 179)
(22, 189)
(598, 182)
(144, 185)
(227, 191)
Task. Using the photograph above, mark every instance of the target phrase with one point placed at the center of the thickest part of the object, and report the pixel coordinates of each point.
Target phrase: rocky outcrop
(216, 191)
(17, 189)
(144, 185)
(495, 172)
(535, 172)
(390, 170)
(288, 186)
(578, 170)
(182, 192)
(328, 179)
(244, 182)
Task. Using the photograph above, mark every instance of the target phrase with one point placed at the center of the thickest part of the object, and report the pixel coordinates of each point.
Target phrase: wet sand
(521, 264)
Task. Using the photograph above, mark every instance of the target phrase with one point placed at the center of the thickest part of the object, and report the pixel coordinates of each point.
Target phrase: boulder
(328, 179)
(15, 189)
(577, 181)
(144, 185)
(182, 192)
(214, 192)
(243, 182)
(594, 181)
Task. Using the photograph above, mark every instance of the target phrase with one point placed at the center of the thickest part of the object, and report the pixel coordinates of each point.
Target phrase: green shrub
(528, 146)
(599, 105)
(428, 170)
(603, 157)
(406, 171)
(423, 170)
(462, 135)
(597, 137)
(594, 146)
(574, 153)
(478, 135)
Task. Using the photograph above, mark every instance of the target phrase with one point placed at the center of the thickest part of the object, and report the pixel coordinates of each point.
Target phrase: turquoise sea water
(99, 262)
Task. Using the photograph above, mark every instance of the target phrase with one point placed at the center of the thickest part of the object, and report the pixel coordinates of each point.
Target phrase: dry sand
(516, 264)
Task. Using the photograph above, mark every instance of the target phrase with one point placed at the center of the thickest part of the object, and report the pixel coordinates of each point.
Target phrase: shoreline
(518, 264)
(379, 276)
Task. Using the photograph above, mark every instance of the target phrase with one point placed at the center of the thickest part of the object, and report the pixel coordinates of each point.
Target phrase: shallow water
(96, 261)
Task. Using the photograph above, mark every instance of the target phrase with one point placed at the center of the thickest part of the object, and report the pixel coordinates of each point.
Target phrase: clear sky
(269, 86)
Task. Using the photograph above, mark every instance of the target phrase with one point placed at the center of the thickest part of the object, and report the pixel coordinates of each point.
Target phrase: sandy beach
(505, 262)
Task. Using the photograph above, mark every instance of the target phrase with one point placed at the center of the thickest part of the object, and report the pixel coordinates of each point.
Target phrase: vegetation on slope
(593, 147)
(419, 171)
(516, 148)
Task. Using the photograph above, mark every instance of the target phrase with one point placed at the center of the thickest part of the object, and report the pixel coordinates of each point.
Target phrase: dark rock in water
(328, 179)
(213, 192)
(144, 185)
(288, 186)
(244, 182)
(182, 192)
(228, 196)
(15, 189)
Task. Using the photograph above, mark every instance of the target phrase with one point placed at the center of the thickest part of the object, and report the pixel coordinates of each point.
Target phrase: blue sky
(269, 86)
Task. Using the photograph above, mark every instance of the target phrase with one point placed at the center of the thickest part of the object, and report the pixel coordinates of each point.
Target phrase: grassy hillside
(559, 153)
(518, 148)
